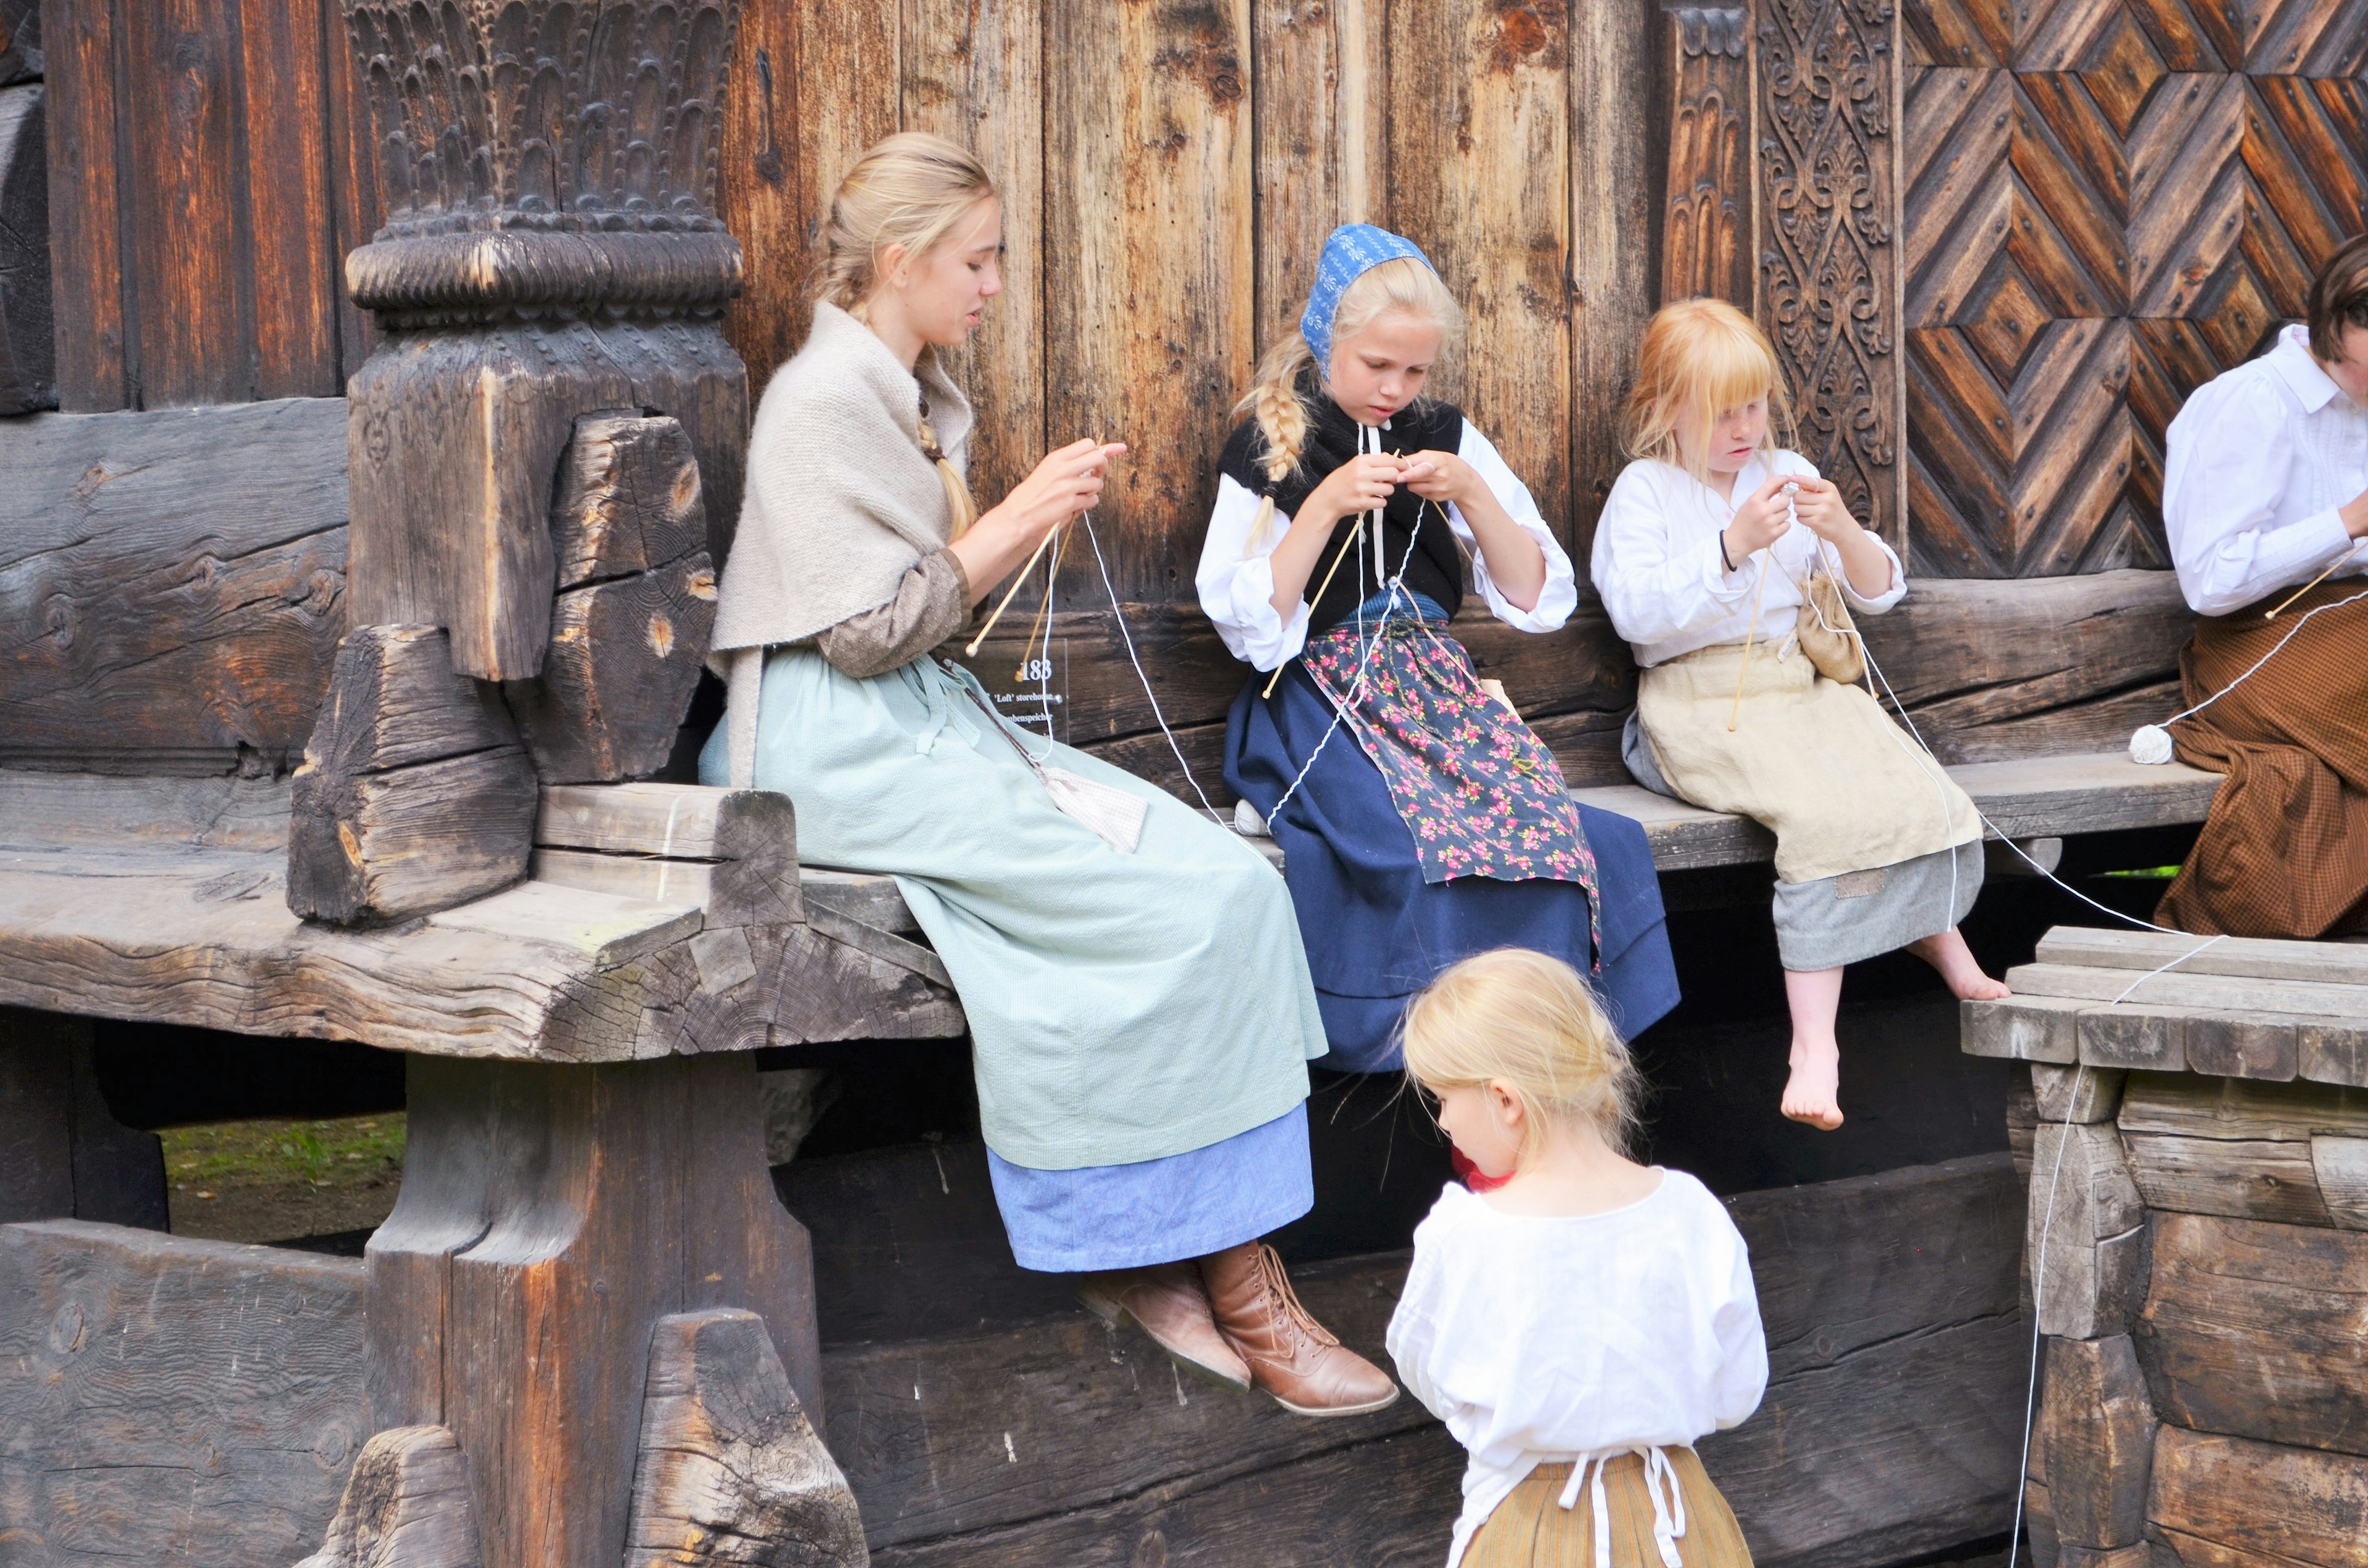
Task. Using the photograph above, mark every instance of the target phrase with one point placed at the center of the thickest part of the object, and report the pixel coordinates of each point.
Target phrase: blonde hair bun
(1535, 1023)
(905, 190)
(1701, 356)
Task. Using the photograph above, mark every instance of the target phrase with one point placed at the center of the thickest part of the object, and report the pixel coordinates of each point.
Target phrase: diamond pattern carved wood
(2107, 203)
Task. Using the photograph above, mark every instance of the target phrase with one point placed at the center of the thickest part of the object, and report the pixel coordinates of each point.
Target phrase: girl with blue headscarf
(1421, 821)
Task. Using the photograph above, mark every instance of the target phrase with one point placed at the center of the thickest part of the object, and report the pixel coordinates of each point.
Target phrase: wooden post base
(62, 1154)
(550, 1217)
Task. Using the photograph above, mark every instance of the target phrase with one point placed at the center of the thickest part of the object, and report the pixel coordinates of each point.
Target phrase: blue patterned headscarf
(1353, 250)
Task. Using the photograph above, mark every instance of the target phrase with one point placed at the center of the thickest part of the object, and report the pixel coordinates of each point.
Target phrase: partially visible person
(1582, 1324)
(1708, 556)
(1421, 821)
(2265, 488)
(1140, 1014)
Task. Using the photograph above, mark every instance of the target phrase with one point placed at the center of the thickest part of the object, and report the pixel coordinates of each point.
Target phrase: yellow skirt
(1532, 1530)
(1843, 787)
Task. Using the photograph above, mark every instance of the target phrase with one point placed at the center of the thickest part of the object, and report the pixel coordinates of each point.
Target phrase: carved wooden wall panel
(2108, 203)
(1707, 231)
(1829, 76)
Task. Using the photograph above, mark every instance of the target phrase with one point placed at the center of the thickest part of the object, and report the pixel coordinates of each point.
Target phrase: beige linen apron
(1843, 787)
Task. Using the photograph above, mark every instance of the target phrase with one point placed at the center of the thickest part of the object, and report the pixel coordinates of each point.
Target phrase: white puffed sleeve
(1659, 579)
(1235, 581)
(2231, 451)
(1559, 596)
(1741, 1378)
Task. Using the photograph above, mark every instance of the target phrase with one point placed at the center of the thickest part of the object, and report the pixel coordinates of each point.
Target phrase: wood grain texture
(28, 326)
(2107, 206)
(2091, 1231)
(2251, 1329)
(1149, 270)
(1322, 139)
(1829, 291)
(413, 795)
(730, 1469)
(173, 1400)
(2099, 1444)
(975, 74)
(173, 586)
(1479, 177)
(2233, 1148)
(85, 239)
(1708, 229)
(518, 1272)
(287, 110)
(408, 1504)
(2232, 1503)
(758, 194)
(618, 677)
(1617, 155)
(743, 840)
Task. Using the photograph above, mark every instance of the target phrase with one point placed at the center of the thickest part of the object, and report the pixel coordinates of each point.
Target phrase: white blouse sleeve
(2231, 451)
(1236, 581)
(1794, 463)
(1559, 596)
(1412, 1339)
(1742, 1375)
(1653, 589)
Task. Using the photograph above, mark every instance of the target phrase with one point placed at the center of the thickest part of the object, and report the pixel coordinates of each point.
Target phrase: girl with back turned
(1581, 1324)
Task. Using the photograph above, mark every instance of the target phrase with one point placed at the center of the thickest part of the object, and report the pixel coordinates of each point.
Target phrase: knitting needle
(1346, 545)
(971, 650)
(2314, 582)
(1050, 571)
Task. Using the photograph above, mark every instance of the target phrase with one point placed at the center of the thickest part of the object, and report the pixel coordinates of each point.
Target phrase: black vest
(1434, 569)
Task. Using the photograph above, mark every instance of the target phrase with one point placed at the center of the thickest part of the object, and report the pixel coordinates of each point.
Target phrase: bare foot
(1948, 953)
(1813, 1093)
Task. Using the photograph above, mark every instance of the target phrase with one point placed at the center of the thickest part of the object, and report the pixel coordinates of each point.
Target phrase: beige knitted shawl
(841, 501)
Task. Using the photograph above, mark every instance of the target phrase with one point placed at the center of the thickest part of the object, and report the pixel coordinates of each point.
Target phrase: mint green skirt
(1123, 1008)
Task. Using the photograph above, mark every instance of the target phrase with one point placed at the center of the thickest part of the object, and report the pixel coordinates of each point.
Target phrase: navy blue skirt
(1376, 933)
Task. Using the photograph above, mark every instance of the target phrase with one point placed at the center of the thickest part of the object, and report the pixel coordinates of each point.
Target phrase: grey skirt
(1858, 914)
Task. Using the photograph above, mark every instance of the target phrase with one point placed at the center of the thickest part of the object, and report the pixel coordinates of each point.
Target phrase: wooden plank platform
(2235, 1007)
(164, 901)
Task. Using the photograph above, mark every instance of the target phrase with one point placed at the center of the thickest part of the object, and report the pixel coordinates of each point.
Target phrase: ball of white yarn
(2150, 745)
(1248, 823)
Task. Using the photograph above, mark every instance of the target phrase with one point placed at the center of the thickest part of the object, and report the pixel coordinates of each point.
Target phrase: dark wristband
(1722, 556)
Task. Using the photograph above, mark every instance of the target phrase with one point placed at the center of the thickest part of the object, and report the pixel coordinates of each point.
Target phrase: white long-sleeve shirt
(1658, 565)
(1236, 581)
(1541, 1340)
(2257, 464)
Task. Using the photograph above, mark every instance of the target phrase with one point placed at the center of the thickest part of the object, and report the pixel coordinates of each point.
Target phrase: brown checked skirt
(2284, 852)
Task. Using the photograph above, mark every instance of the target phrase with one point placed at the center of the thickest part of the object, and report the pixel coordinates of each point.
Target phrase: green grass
(273, 1153)
(2152, 873)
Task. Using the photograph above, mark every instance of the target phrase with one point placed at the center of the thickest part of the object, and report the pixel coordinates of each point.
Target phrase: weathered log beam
(734, 852)
(636, 602)
(2100, 1442)
(28, 335)
(173, 585)
(412, 797)
(2229, 1501)
(407, 1504)
(173, 1401)
(2088, 1242)
(731, 1471)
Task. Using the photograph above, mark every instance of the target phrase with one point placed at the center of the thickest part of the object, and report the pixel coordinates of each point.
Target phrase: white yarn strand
(1118, 613)
(2151, 744)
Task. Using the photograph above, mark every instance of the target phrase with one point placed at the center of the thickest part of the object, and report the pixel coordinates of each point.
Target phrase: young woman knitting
(1421, 821)
(1581, 1325)
(1140, 1014)
(1707, 556)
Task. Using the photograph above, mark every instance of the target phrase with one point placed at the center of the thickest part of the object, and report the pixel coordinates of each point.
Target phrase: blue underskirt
(1186, 1205)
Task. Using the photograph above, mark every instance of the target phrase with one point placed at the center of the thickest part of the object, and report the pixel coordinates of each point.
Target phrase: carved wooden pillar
(1830, 273)
(552, 251)
(1707, 240)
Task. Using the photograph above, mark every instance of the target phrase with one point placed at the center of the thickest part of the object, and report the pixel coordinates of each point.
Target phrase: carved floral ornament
(545, 114)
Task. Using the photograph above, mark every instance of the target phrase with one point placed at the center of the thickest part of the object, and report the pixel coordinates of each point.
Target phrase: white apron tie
(1669, 1515)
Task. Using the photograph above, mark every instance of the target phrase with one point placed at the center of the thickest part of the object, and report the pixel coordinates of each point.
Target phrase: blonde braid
(1273, 402)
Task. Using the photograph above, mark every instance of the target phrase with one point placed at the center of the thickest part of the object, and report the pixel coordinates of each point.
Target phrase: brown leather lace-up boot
(1167, 1302)
(1290, 1353)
